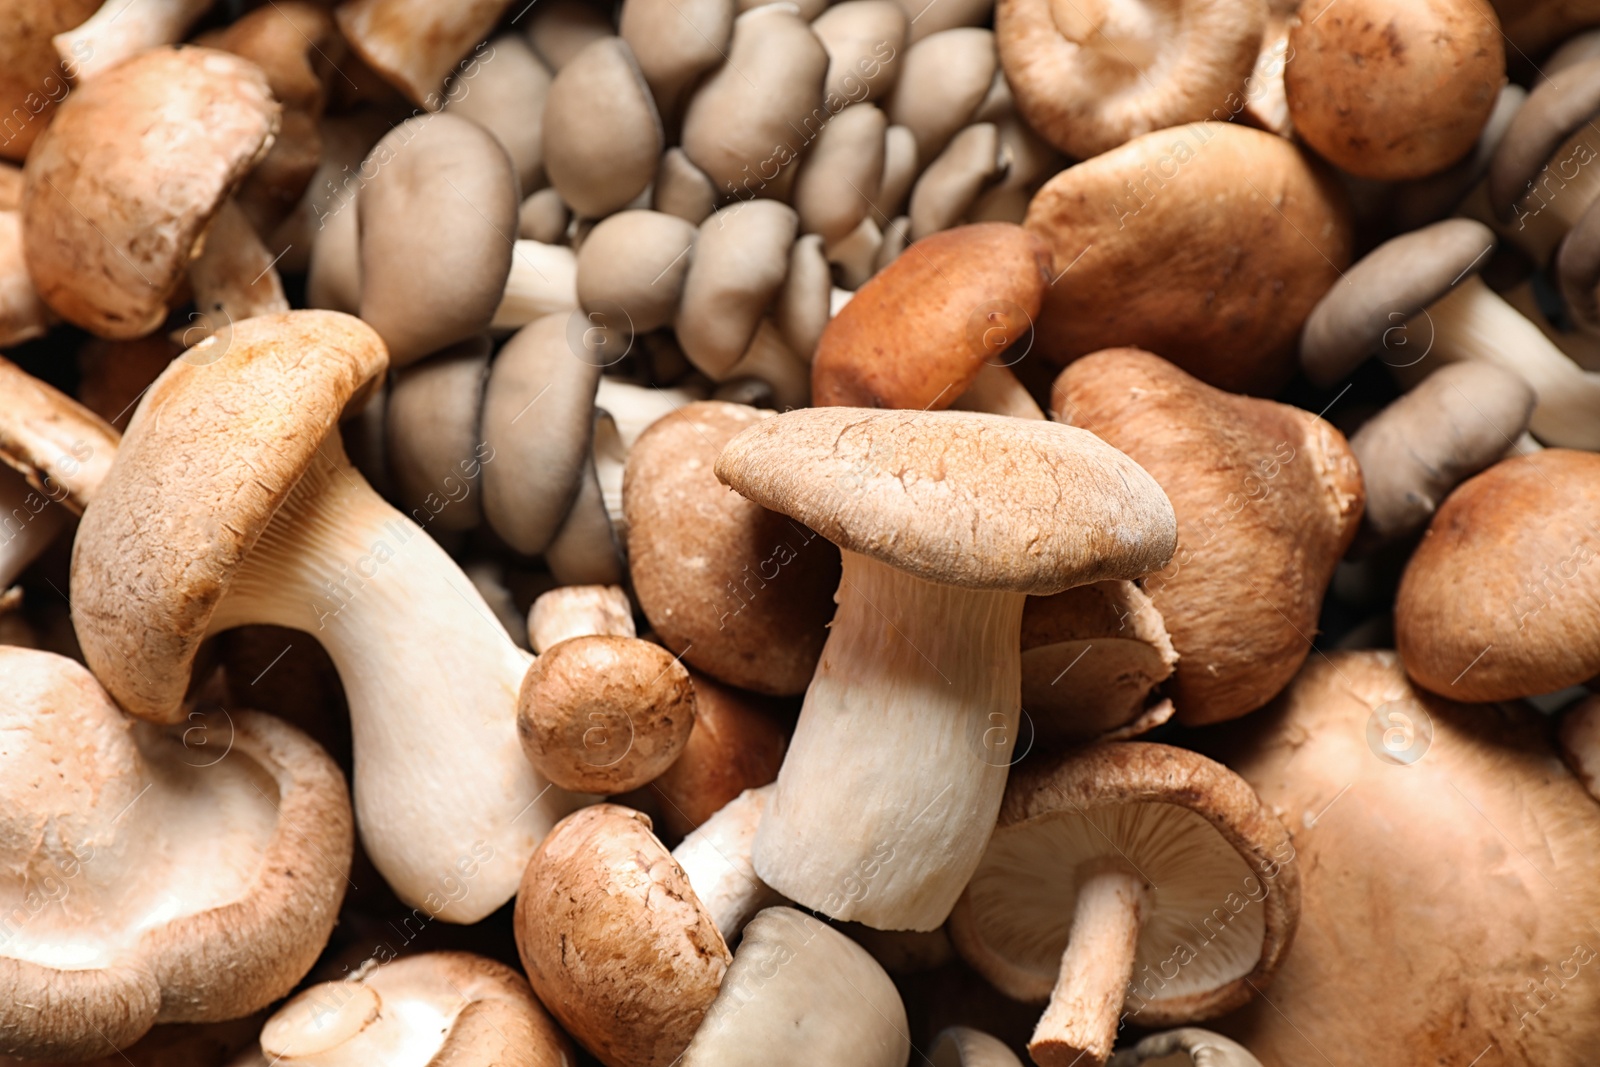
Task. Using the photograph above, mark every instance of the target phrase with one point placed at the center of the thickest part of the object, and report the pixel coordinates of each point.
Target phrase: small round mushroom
(576, 611)
(1107, 863)
(433, 439)
(106, 39)
(634, 263)
(740, 258)
(804, 304)
(961, 1046)
(543, 217)
(505, 93)
(602, 134)
(414, 44)
(1189, 1046)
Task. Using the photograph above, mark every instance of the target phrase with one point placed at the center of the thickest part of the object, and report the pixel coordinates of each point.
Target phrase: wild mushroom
(1093, 76)
(577, 611)
(950, 186)
(145, 878)
(505, 93)
(413, 44)
(437, 1007)
(233, 276)
(1258, 254)
(865, 40)
(961, 1046)
(1183, 899)
(599, 158)
(833, 188)
(1184, 1047)
(943, 80)
(740, 258)
(433, 439)
(275, 527)
(105, 39)
(675, 43)
(631, 269)
(899, 761)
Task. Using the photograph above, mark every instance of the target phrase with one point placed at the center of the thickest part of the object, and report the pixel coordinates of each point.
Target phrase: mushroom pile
(751, 533)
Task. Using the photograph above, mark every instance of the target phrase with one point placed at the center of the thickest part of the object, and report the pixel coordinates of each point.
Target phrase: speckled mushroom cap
(211, 453)
(121, 186)
(614, 939)
(1392, 283)
(1192, 828)
(1556, 108)
(959, 497)
(61, 447)
(149, 874)
(1188, 1045)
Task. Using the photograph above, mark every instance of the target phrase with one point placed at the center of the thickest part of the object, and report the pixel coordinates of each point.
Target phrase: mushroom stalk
(449, 810)
(543, 281)
(997, 391)
(234, 277)
(1080, 1024)
(106, 38)
(716, 858)
(896, 771)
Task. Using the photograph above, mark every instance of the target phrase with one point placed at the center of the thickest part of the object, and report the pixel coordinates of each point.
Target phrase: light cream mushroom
(1189, 1046)
(952, 183)
(961, 1046)
(106, 38)
(414, 44)
(900, 169)
(740, 259)
(675, 42)
(836, 180)
(633, 265)
(543, 281)
(602, 134)
(543, 217)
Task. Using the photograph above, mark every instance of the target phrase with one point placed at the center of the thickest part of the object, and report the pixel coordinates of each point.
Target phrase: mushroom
(577, 611)
(1445, 833)
(631, 269)
(122, 186)
(560, 29)
(1184, 1047)
(543, 281)
(1495, 602)
(33, 80)
(804, 304)
(1393, 93)
(414, 44)
(173, 1045)
(437, 1007)
(943, 79)
(1580, 742)
(1268, 498)
(676, 42)
(961, 1046)
(682, 189)
(601, 158)
(1258, 253)
(864, 40)
(1417, 203)
(275, 527)
(145, 878)
(832, 190)
(233, 277)
(950, 186)
(543, 217)
(742, 593)
(433, 441)
(1182, 895)
(946, 520)
(1095, 74)
(505, 93)
(737, 745)
(105, 39)
(740, 258)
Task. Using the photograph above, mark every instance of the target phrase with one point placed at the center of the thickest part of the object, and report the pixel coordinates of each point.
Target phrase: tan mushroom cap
(1256, 255)
(1186, 1046)
(605, 714)
(59, 446)
(1498, 600)
(433, 443)
(958, 497)
(32, 78)
(635, 261)
(413, 44)
(1091, 75)
(120, 188)
(602, 133)
(236, 422)
(676, 41)
(151, 875)
(865, 40)
(615, 941)
(1557, 108)
(503, 89)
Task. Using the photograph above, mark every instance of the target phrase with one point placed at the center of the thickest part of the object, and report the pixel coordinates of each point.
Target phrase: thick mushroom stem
(543, 281)
(1080, 1024)
(235, 277)
(29, 521)
(448, 807)
(106, 38)
(894, 778)
(716, 858)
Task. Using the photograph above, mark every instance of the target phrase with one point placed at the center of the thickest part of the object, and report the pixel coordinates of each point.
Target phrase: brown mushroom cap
(147, 878)
(614, 939)
(1268, 497)
(413, 44)
(918, 333)
(32, 78)
(120, 188)
(1263, 234)
(59, 446)
(1557, 108)
(958, 497)
(1499, 599)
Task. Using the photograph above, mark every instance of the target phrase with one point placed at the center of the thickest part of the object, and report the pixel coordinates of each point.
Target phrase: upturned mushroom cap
(1185, 1047)
(1224, 895)
(147, 878)
(413, 44)
(1089, 76)
(577, 610)
(59, 446)
(1557, 108)
(1367, 309)
(958, 497)
(742, 592)
(602, 134)
(151, 562)
(1499, 600)
(434, 1008)
(1257, 254)
(918, 333)
(433, 441)
(615, 941)
(121, 187)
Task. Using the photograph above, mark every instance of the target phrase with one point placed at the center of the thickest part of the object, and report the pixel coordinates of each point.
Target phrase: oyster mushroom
(1189, 1046)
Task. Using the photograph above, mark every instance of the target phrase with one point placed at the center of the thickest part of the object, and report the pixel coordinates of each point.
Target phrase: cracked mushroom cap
(59, 446)
(434, 1008)
(249, 408)
(614, 939)
(958, 497)
(120, 189)
(1224, 900)
(185, 876)
(1189, 1046)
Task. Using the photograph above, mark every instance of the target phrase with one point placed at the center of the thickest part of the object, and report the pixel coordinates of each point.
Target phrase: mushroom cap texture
(1556, 108)
(1130, 777)
(1208, 243)
(1088, 96)
(102, 816)
(1501, 599)
(615, 941)
(959, 497)
(211, 453)
(121, 186)
(1368, 307)
(61, 447)
(1434, 895)
(1268, 497)
(743, 593)
(918, 332)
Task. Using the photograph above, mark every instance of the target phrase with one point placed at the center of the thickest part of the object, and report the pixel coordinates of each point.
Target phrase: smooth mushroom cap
(433, 1008)
(147, 878)
(602, 133)
(437, 220)
(635, 262)
(682, 189)
(946, 192)
(1557, 108)
(962, 1046)
(944, 78)
(504, 92)
(1368, 307)
(1498, 600)
(560, 29)
(59, 446)
(32, 77)
(957, 497)
(739, 262)
(121, 187)
(843, 168)
(865, 40)
(433, 441)
(676, 41)
(577, 610)
(413, 44)
(615, 941)
(1184, 1047)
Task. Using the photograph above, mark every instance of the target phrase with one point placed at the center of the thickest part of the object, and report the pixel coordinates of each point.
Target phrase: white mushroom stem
(543, 281)
(579, 611)
(894, 778)
(234, 278)
(1581, 347)
(121, 29)
(1474, 322)
(629, 411)
(448, 807)
(29, 521)
(716, 858)
(1080, 1024)
(997, 391)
